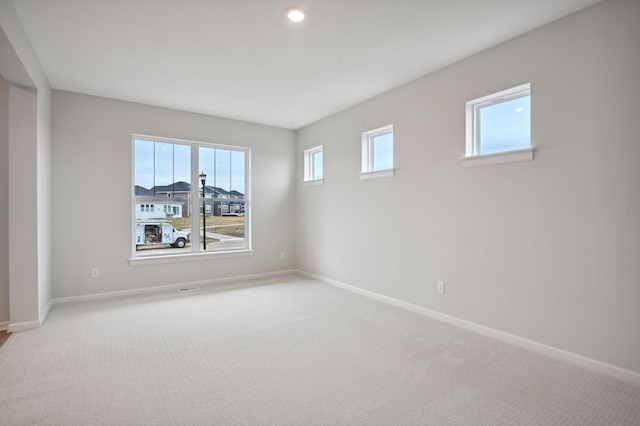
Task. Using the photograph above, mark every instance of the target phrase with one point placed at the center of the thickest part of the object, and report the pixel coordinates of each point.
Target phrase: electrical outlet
(95, 273)
(282, 256)
(440, 287)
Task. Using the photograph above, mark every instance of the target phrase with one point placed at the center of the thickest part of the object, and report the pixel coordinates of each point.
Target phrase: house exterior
(153, 208)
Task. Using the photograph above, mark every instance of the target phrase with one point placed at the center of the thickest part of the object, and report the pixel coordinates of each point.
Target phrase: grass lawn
(214, 225)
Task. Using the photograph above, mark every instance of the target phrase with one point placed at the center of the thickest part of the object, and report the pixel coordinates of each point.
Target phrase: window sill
(378, 174)
(187, 257)
(314, 182)
(498, 158)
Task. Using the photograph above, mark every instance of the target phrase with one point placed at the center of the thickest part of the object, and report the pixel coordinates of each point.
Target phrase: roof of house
(139, 190)
(182, 187)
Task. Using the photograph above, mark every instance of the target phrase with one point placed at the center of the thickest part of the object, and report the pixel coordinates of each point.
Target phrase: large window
(500, 123)
(377, 151)
(189, 197)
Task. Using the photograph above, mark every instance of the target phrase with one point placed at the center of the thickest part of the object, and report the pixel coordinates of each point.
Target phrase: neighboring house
(160, 210)
(153, 210)
(183, 189)
(178, 189)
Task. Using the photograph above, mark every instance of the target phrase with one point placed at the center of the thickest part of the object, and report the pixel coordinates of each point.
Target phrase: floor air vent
(188, 289)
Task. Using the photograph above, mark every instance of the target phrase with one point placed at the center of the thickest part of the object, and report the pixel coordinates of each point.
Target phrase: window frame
(367, 169)
(473, 156)
(195, 198)
(309, 166)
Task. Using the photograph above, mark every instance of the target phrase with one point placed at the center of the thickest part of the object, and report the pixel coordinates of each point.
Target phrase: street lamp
(203, 179)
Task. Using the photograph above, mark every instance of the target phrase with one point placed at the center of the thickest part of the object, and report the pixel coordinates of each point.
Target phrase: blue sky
(505, 126)
(317, 165)
(166, 163)
(224, 168)
(383, 152)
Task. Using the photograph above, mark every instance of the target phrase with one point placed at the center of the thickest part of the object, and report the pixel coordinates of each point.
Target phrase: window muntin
(313, 164)
(377, 149)
(163, 194)
(500, 122)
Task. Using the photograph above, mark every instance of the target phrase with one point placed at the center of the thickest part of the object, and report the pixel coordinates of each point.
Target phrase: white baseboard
(27, 325)
(233, 281)
(15, 327)
(559, 354)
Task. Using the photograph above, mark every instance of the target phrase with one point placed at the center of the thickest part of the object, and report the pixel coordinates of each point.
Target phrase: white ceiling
(242, 59)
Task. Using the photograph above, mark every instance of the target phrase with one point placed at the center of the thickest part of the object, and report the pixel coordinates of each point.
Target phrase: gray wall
(548, 250)
(29, 171)
(92, 181)
(44, 170)
(24, 227)
(4, 203)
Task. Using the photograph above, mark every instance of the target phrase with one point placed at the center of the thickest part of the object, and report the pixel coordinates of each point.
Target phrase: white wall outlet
(282, 256)
(440, 287)
(95, 273)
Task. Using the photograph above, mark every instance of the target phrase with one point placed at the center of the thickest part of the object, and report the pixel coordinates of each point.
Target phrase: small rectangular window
(499, 123)
(313, 164)
(377, 150)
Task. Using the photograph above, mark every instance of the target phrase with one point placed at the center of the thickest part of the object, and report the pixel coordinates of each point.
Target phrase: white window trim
(378, 174)
(472, 144)
(309, 168)
(366, 170)
(514, 156)
(314, 182)
(187, 257)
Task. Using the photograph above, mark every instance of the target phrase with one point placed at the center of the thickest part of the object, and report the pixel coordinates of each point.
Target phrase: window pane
(237, 174)
(383, 152)
(163, 166)
(225, 230)
(143, 176)
(317, 165)
(222, 180)
(163, 227)
(182, 167)
(223, 223)
(505, 126)
(206, 166)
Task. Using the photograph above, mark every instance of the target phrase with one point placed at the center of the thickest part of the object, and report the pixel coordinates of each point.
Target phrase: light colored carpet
(286, 351)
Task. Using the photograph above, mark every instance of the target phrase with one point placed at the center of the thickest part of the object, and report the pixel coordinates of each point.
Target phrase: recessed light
(294, 14)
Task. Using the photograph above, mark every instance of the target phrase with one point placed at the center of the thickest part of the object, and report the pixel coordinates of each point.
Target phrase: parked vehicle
(156, 233)
(232, 209)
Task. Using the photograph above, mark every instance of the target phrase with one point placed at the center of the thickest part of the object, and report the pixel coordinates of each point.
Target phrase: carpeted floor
(286, 351)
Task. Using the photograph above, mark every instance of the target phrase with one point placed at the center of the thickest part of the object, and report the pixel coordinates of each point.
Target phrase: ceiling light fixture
(294, 14)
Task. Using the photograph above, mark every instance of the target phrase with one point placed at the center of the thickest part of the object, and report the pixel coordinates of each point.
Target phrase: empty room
(268, 212)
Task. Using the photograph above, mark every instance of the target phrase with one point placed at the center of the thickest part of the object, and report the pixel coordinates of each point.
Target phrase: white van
(156, 233)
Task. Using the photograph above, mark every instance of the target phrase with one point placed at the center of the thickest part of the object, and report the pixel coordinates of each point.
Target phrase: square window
(377, 149)
(500, 122)
(313, 164)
